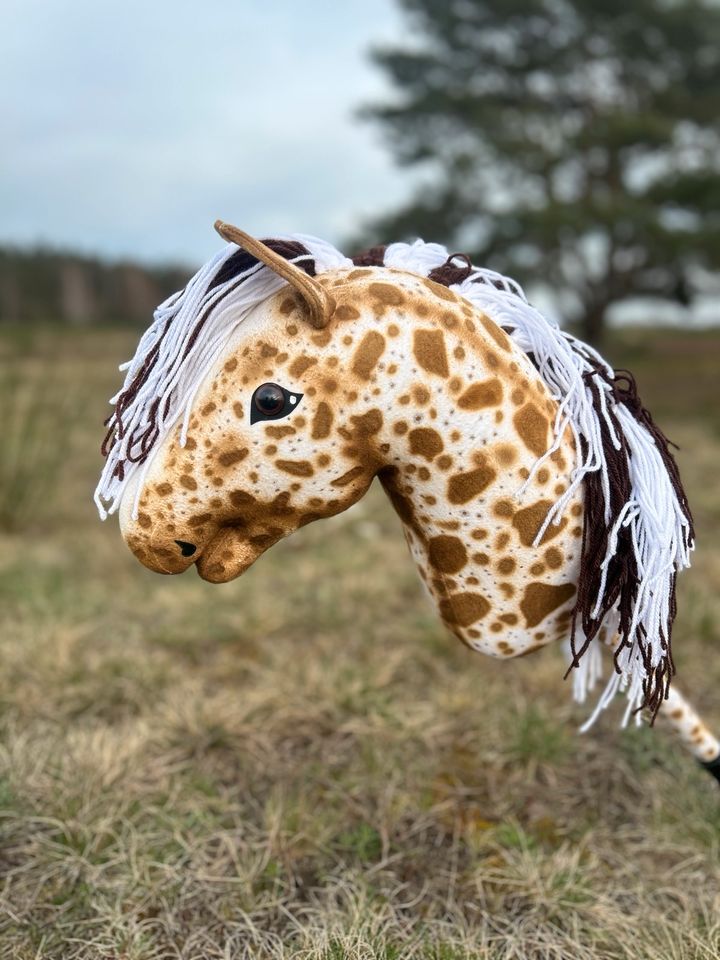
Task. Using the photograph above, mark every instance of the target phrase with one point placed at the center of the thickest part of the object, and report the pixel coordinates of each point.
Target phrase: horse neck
(465, 418)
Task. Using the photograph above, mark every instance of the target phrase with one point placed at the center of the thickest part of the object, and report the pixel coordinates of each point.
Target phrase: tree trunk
(592, 325)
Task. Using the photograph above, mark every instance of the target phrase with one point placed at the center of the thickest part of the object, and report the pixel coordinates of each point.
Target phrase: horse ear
(319, 303)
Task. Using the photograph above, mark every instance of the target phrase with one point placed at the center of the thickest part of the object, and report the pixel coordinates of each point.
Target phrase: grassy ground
(301, 763)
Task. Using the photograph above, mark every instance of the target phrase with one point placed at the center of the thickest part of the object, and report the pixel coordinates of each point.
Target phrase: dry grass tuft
(301, 764)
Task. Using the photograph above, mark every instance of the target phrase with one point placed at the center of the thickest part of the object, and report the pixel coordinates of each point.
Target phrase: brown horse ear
(319, 303)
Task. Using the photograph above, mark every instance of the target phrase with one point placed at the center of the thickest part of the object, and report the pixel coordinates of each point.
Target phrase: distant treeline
(43, 286)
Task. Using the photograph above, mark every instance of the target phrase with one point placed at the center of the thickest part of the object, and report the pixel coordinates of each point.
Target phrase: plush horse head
(537, 497)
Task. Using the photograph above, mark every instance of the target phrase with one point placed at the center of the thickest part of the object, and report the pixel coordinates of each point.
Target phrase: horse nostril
(187, 549)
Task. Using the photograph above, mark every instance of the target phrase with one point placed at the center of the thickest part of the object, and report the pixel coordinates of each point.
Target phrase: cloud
(130, 126)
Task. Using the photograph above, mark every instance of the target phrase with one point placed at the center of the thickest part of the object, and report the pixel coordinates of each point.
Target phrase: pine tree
(570, 142)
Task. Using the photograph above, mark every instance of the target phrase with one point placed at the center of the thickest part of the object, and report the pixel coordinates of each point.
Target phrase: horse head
(285, 377)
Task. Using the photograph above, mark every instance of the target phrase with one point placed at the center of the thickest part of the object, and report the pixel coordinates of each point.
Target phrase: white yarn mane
(659, 528)
(183, 361)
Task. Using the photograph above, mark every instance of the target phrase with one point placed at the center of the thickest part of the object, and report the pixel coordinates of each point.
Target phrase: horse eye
(270, 402)
(269, 399)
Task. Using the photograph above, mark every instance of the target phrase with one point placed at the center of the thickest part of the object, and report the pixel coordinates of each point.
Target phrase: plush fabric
(538, 499)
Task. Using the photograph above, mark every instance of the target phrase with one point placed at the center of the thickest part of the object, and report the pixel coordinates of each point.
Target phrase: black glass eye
(269, 399)
(271, 402)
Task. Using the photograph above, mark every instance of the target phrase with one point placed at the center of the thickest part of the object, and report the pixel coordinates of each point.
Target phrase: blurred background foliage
(46, 286)
(575, 143)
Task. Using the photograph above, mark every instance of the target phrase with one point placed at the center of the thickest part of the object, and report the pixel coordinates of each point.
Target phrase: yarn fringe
(188, 333)
(638, 530)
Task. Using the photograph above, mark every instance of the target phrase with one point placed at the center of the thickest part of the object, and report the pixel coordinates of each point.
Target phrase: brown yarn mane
(373, 257)
(446, 274)
(621, 588)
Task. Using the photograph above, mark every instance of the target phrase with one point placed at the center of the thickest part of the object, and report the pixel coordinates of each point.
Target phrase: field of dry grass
(301, 763)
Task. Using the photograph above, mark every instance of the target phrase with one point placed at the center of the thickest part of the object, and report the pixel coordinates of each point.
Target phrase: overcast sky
(128, 127)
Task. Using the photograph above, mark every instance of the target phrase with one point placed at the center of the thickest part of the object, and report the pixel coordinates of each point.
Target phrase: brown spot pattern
(322, 421)
(348, 477)
(277, 433)
(298, 468)
(489, 393)
(447, 554)
(430, 353)
(199, 520)
(506, 454)
(300, 365)
(425, 442)
(367, 424)
(287, 306)
(386, 293)
(346, 312)
(532, 427)
(368, 353)
(463, 609)
(241, 498)
(463, 487)
(498, 335)
(528, 521)
(540, 599)
(440, 291)
(230, 457)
